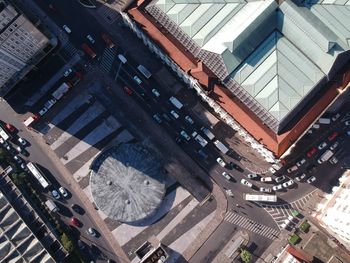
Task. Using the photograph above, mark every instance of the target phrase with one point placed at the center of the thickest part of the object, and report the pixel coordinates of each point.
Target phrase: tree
(18, 179)
(67, 243)
(246, 256)
(2, 154)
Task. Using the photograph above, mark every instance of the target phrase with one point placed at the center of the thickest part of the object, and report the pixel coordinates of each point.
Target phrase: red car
(311, 152)
(128, 90)
(333, 136)
(10, 127)
(75, 222)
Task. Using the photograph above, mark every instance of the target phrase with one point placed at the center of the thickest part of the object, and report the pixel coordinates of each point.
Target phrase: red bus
(108, 40)
(88, 50)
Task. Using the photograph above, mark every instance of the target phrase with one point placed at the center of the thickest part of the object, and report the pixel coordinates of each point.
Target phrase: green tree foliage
(246, 256)
(67, 243)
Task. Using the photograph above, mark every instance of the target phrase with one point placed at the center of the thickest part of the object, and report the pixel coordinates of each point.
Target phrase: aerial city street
(174, 131)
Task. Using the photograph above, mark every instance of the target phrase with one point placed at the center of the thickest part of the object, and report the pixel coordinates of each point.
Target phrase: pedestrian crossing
(69, 49)
(251, 225)
(107, 59)
(280, 213)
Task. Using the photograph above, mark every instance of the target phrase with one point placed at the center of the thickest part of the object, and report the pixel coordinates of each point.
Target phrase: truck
(325, 156)
(60, 91)
(208, 133)
(221, 147)
(88, 50)
(106, 38)
(203, 142)
(176, 102)
(260, 198)
(52, 206)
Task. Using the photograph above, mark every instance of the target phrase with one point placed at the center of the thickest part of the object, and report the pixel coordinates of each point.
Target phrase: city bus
(38, 175)
(260, 198)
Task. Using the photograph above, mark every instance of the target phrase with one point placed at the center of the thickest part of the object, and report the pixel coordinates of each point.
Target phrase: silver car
(265, 190)
(288, 183)
(226, 175)
(221, 162)
(280, 179)
(311, 179)
(246, 183)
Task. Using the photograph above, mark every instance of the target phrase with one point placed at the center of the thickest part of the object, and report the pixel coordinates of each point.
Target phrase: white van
(324, 120)
(144, 71)
(122, 58)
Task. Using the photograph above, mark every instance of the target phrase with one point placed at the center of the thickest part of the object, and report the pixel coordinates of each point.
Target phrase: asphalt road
(67, 13)
(51, 170)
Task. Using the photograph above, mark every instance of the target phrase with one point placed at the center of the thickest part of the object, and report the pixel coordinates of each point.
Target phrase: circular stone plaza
(127, 183)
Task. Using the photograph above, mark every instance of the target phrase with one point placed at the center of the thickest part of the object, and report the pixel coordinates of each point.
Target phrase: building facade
(270, 67)
(21, 43)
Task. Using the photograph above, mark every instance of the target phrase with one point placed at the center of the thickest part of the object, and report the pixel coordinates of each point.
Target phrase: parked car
(202, 154)
(246, 183)
(336, 117)
(63, 191)
(292, 169)
(311, 179)
(334, 146)
(77, 209)
(333, 136)
(272, 170)
(18, 149)
(311, 152)
(301, 162)
(156, 92)
(22, 141)
(252, 176)
(17, 159)
(347, 123)
(67, 72)
(300, 177)
(189, 120)
(3, 142)
(137, 79)
(91, 39)
(75, 222)
(265, 190)
(266, 179)
(221, 162)
(322, 145)
(280, 179)
(174, 114)
(157, 118)
(91, 232)
(24, 167)
(55, 194)
(43, 111)
(288, 183)
(80, 244)
(185, 135)
(128, 90)
(10, 127)
(277, 187)
(333, 160)
(226, 175)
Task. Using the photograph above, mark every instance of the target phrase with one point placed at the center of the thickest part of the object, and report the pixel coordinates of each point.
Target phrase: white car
(67, 72)
(174, 114)
(280, 179)
(277, 187)
(226, 175)
(189, 120)
(292, 169)
(155, 92)
(322, 145)
(185, 135)
(43, 111)
(251, 176)
(91, 232)
(67, 29)
(55, 194)
(246, 183)
(288, 183)
(221, 162)
(18, 149)
(137, 79)
(48, 105)
(265, 190)
(24, 167)
(301, 162)
(336, 117)
(22, 141)
(63, 191)
(272, 170)
(334, 146)
(17, 159)
(90, 38)
(334, 160)
(301, 177)
(3, 142)
(311, 179)
(347, 123)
